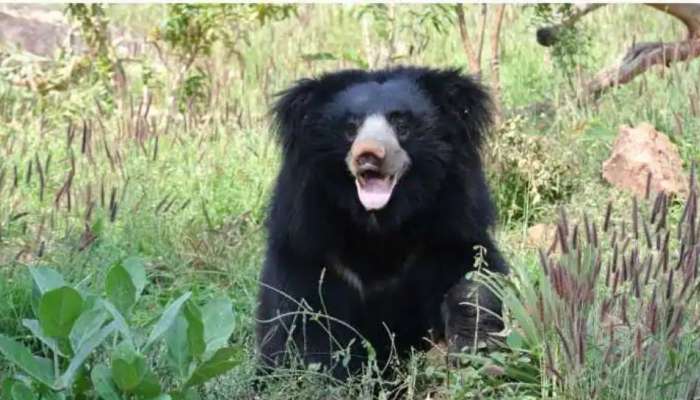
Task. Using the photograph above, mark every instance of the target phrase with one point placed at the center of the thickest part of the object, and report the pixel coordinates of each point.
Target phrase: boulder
(641, 151)
(36, 29)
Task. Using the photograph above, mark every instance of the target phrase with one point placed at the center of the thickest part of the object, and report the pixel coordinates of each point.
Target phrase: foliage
(532, 172)
(95, 349)
(572, 49)
(191, 32)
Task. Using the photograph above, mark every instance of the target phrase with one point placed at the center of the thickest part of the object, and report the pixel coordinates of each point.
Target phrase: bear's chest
(372, 273)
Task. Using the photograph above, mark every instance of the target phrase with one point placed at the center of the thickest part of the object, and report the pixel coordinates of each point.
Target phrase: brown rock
(642, 150)
(541, 236)
(35, 29)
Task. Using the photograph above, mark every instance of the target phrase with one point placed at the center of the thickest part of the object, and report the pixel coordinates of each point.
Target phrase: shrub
(528, 172)
(73, 326)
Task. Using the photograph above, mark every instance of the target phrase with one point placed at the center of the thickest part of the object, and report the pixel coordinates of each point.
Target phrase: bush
(73, 326)
(529, 173)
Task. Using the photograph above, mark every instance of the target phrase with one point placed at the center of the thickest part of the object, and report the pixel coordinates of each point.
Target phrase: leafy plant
(192, 31)
(532, 171)
(94, 348)
(572, 49)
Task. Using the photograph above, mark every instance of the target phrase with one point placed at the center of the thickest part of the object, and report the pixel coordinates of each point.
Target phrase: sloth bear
(379, 210)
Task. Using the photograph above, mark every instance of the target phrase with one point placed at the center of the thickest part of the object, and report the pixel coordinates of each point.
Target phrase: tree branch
(474, 62)
(640, 58)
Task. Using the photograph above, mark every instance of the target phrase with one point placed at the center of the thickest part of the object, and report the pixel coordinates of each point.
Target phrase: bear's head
(384, 145)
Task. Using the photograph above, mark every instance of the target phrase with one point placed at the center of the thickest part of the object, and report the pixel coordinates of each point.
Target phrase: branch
(474, 64)
(496, 60)
(640, 58)
(689, 14)
(643, 56)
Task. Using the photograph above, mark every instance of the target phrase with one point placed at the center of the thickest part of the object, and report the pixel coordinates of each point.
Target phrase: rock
(642, 150)
(35, 29)
(541, 236)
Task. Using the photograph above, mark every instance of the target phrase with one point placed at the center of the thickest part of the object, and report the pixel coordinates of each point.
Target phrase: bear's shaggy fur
(389, 275)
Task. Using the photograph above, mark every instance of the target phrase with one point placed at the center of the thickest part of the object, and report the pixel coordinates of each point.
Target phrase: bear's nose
(368, 152)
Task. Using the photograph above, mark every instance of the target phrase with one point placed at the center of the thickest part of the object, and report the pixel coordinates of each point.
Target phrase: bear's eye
(401, 123)
(350, 127)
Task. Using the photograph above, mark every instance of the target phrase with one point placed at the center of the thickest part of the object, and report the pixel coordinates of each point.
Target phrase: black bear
(378, 213)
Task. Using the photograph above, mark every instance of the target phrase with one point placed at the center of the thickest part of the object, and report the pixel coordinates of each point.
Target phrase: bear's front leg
(471, 313)
(303, 319)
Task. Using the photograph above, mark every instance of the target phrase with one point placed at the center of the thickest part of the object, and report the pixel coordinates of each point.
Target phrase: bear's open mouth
(374, 188)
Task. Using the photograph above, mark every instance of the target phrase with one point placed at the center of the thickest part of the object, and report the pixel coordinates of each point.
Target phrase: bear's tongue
(374, 191)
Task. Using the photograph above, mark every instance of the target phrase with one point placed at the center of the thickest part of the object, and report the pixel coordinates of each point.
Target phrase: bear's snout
(368, 154)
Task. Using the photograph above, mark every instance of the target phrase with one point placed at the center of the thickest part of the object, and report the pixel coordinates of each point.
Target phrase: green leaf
(20, 391)
(195, 329)
(186, 394)
(137, 270)
(149, 386)
(51, 395)
(58, 310)
(45, 279)
(101, 377)
(120, 289)
(38, 368)
(122, 325)
(83, 352)
(128, 366)
(218, 323)
(87, 325)
(6, 390)
(35, 328)
(222, 361)
(166, 319)
(178, 347)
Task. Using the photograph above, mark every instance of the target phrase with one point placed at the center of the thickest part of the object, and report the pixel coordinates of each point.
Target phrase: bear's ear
(291, 109)
(462, 99)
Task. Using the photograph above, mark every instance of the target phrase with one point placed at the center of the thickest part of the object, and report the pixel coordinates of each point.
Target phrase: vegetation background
(136, 162)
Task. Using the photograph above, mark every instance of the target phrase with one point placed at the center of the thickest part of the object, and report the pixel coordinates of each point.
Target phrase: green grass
(191, 197)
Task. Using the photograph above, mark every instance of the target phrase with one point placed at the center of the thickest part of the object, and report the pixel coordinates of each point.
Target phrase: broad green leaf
(137, 270)
(45, 279)
(149, 386)
(35, 328)
(122, 325)
(128, 367)
(178, 347)
(6, 390)
(58, 310)
(120, 289)
(87, 325)
(187, 394)
(20, 391)
(167, 319)
(222, 361)
(38, 368)
(101, 377)
(51, 395)
(195, 329)
(218, 323)
(83, 352)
